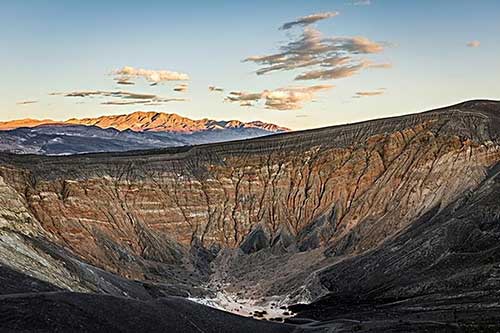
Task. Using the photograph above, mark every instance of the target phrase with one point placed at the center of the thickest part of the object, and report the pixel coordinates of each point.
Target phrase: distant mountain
(75, 139)
(149, 121)
(138, 130)
(169, 122)
(13, 124)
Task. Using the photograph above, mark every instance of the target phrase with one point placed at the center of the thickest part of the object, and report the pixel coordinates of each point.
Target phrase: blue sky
(67, 46)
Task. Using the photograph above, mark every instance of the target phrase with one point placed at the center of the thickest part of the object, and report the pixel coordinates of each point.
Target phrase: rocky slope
(281, 219)
(443, 271)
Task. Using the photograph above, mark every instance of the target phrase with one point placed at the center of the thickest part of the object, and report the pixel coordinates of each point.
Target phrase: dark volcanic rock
(72, 312)
(12, 282)
(255, 241)
(283, 239)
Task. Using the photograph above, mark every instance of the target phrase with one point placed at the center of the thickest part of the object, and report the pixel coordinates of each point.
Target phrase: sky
(296, 63)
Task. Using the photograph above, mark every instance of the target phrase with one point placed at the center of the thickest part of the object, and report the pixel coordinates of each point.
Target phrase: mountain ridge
(138, 130)
(140, 121)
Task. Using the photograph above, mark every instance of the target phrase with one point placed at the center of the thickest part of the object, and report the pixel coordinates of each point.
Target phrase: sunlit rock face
(264, 213)
(141, 121)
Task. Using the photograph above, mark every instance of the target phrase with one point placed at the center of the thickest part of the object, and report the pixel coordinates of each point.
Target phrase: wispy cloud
(309, 19)
(246, 103)
(26, 102)
(215, 89)
(125, 82)
(289, 98)
(372, 93)
(360, 2)
(474, 43)
(181, 87)
(124, 97)
(155, 101)
(120, 94)
(340, 72)
(321, 57)
(153, 76)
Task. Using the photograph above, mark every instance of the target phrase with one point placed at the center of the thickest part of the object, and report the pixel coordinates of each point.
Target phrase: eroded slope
(280, 207)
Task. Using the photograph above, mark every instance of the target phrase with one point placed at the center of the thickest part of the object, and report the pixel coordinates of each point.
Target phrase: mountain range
(388, 225)
(138, 130)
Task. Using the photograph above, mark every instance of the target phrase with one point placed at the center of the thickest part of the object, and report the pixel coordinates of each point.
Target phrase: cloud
(340, 72)
(122, 102)
(154, 76)
(123, 97)
(309, 19)
(355, 45)
(289, 98)
(321, 57)
(125, 82)
(181, 88)
(215, 89)
(156, 101)
(360, 2)
(26, 102)
(246, 104)
(120, 94)
(329, 74)
(380, 65)
(474, 43)
(88, 93)
(377, 92)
